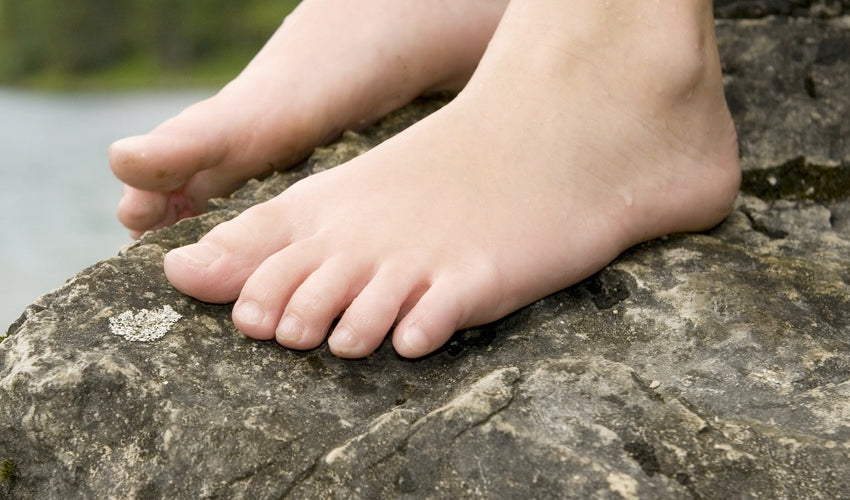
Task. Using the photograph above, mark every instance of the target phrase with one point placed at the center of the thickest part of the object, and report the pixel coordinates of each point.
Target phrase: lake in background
(57, 194)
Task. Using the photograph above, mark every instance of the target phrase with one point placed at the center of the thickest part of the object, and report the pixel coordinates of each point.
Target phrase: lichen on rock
(145, 325)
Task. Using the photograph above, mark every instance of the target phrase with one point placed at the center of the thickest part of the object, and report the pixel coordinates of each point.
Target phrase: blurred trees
(80, 36)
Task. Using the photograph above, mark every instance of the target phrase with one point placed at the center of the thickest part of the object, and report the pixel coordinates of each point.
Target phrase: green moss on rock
(8, 473)
(798, 179)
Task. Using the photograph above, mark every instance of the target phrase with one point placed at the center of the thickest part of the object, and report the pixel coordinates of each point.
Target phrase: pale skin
(333, 65)
(587, 127)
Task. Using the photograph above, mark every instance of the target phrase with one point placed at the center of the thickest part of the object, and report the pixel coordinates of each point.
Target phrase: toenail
(416, 341)
(344, 340)
(248, 313)
(289, 331)
(199, 254)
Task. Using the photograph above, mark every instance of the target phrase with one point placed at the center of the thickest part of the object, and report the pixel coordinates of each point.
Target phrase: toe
(267, 291)
(216, 268)
(317, 302)
(371, 315)
(430, 323)
(142, 210)
(220, 182)
(159, 162)
(174, 151)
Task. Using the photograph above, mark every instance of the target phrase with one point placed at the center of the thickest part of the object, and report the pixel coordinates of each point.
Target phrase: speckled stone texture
(711, 365)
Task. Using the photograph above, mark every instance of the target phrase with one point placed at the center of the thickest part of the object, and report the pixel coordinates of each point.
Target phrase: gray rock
(786, 84)
(738, 9)
(707, 365)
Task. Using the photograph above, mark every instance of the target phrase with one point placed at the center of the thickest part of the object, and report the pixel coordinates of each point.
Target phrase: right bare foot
(587, 128)
(332, 65)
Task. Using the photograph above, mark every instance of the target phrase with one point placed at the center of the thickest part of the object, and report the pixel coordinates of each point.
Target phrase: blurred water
(57, 195)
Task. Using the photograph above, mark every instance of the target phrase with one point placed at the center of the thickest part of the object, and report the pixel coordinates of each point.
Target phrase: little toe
(371, 315)
(319, 300)
(430, 323)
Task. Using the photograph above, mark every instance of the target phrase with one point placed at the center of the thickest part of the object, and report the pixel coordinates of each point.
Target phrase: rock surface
(708, 365)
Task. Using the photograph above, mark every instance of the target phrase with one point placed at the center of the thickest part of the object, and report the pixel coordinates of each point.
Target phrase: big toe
(205, 271)
(216, 268)
(158, 161)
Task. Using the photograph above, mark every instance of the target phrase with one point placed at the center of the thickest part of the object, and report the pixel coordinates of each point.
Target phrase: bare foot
(588, 127)
(333, 65)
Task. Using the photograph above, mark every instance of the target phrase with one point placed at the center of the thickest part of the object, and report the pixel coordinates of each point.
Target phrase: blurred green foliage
(127, 43)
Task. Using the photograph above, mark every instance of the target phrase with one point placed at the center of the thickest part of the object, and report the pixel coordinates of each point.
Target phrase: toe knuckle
(307, 304)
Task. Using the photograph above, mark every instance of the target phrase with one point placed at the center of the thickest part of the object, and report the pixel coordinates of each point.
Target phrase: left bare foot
(588, 127)
(332, 65)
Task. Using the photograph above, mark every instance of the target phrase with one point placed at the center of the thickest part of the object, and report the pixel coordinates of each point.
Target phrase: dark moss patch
(8, 473)
(606, 288)
(809, 86)
(754, 9)
(644, 454)
(473, 338)
(799, 180)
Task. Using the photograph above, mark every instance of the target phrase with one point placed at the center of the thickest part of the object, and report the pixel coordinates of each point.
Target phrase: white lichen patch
(624, 485)
(145, 325)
